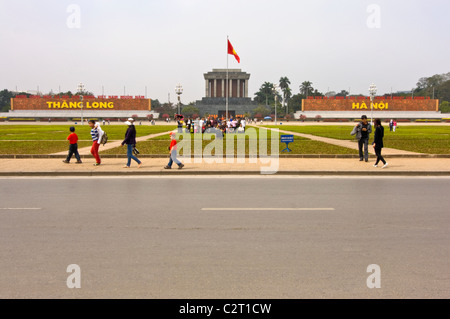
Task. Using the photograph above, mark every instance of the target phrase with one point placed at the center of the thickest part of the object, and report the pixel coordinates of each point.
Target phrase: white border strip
(265, 209)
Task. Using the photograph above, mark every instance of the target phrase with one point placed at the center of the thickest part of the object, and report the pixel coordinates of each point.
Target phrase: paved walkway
(152, 166)
(113, 144)
(344, 143)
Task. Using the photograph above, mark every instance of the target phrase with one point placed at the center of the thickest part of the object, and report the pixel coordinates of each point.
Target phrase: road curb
(185, 172)
(308, 156)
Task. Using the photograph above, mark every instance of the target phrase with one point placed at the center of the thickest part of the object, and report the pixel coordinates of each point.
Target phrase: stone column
(230, 91)
(215, 88)
(246, 88)
(223, 88)
(238, 88)
(207, 88)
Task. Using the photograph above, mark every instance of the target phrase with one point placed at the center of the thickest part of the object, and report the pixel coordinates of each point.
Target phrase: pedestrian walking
(96, 134)
(173, 152)
(179, 118)
(188, 125)
(362, 131)
(73, 146)
(130, 140)
(394, 125)
(378, 143)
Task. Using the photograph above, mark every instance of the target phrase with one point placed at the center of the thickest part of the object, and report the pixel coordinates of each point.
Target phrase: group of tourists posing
(210, 125)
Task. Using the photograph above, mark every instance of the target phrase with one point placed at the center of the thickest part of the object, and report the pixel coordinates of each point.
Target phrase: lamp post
(372, 92)
(276, 90)
(179, 91)
(80, 91)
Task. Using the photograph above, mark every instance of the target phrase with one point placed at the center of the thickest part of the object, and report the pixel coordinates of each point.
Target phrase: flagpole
(227, 89)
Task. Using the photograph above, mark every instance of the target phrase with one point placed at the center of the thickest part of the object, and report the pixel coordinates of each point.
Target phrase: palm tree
(305, 88)
(265, 93)
(287, 93)
(284, 85)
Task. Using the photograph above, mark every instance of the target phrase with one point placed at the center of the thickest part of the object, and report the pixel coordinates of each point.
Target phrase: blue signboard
(287, 139)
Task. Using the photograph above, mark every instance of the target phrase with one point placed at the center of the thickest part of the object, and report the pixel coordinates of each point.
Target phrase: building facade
(72, 108)
(216, 87)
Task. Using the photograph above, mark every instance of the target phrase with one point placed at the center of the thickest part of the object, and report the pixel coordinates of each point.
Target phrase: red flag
(232, 52)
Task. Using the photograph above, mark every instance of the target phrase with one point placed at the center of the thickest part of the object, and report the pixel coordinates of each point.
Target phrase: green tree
(437, 85)
(443, 93)
(155, 103)
(266, 94)
(68, 93)
(284, 85)
(315, 92)
(84, 93)
(343, 93)
(445, 107)
(189, 111)
(306, 88)
(264, 111)
(5, 100)
(295, 103)
(166, 108)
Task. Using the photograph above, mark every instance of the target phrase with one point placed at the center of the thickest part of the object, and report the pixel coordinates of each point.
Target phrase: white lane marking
(20, 208)
(266, 209)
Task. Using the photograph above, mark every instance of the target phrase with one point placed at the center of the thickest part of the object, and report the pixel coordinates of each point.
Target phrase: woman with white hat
(130, 140)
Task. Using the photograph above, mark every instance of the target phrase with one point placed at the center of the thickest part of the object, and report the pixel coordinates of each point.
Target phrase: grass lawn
(33, 147)
(332, 131)
(300, 146)
(421, 139)
(60, 132)
(250, 131)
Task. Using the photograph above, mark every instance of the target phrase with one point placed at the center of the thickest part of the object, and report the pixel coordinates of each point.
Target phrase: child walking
(173, 153)
(73, 147)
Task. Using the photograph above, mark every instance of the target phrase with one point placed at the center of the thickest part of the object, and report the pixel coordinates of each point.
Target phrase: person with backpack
(96, 134)
(378, 143)
(362, 131)
(130, 140)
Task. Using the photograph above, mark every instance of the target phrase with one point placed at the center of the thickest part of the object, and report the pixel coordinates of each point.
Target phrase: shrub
(445, 107)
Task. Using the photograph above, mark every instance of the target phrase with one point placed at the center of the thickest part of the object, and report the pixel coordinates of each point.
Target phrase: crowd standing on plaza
(211, 125)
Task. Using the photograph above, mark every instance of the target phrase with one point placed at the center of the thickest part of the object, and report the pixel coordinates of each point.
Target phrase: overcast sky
(336, 44)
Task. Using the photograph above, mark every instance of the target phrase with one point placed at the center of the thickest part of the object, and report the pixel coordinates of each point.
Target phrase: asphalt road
(164, 237)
